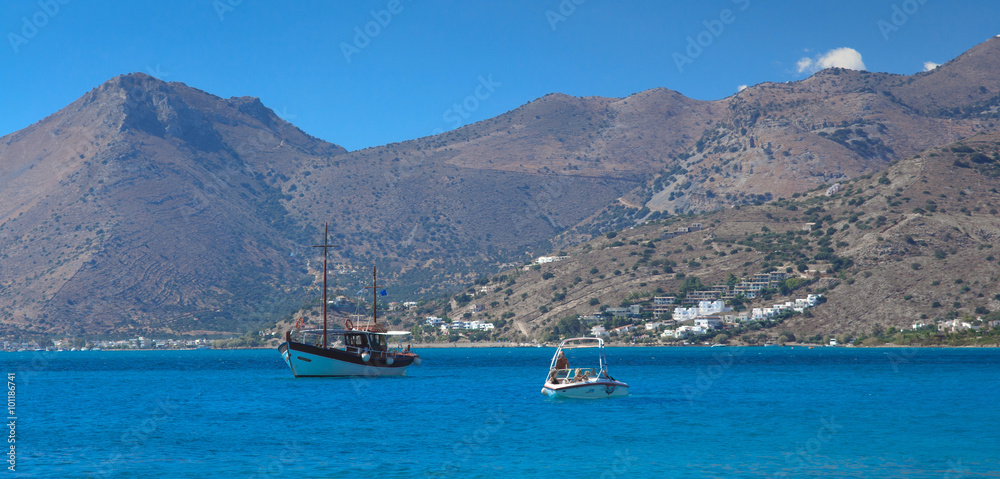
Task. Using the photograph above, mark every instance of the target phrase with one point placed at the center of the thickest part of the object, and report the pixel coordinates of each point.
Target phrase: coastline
(503, 344)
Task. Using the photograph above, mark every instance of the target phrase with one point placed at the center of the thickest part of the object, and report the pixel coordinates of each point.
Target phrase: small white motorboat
(584, 382)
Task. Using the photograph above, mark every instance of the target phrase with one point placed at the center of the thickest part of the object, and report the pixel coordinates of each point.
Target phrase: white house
(549, 259)
(624, 329)
(711, 307)
(434, 320)
(684, 331)
(685, 314)
(763, 313)
(598, 331)
(708, 323)
(956, 325)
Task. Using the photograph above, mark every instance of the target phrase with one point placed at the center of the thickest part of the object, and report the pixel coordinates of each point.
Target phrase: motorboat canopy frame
(579, 343)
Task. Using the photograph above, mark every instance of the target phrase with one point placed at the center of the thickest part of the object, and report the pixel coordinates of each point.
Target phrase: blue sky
(428, 66)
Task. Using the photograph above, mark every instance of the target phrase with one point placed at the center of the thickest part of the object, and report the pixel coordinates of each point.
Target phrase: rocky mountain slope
(560, 170)
(148, 206)
(912, 244)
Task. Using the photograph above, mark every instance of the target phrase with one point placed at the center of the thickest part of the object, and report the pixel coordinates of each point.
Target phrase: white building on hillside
(434, 321)
(705, 308)
(708, 323)
(549, 259)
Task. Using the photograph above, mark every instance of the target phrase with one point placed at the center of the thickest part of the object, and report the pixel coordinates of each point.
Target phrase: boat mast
(374, 288)
(326, 246)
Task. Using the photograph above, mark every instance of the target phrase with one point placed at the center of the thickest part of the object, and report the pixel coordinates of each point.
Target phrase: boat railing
(378, 353)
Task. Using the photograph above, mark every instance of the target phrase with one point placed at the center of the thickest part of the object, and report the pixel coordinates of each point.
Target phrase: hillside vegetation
(913, 244)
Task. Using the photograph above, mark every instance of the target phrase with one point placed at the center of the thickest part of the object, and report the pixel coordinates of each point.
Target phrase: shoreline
(502, 345)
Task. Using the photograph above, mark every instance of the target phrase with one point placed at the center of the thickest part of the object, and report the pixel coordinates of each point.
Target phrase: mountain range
(912, 244)
(153, 207)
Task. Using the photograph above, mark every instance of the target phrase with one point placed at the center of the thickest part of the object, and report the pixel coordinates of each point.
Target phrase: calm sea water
(693, 412)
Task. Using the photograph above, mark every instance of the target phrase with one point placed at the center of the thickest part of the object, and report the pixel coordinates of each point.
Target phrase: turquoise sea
(692, 412)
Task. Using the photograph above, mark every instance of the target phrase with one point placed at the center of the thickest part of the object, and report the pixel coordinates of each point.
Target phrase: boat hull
(587, 390)
(309, 361)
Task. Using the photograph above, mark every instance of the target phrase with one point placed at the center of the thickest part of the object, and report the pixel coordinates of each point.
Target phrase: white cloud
(928, 66)
(804, 64)
(741, 88)
(844, 57)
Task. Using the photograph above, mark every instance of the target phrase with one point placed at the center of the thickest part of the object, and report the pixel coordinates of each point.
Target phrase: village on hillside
(685, 315)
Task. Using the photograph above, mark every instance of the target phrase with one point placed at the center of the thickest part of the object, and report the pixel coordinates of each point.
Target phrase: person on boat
(562, 362)
(552, 376)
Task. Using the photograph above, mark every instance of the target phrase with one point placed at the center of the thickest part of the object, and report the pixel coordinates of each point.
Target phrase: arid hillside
(153, 206)
(149, 206)
(912, 244)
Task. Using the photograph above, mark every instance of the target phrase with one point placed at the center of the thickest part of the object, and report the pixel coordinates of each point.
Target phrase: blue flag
(383, 293)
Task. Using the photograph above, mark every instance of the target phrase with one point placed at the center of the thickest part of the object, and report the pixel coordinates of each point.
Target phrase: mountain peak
(154, 106)
(983, 54)
(968, 79)
(136, 77)
(130, 86)
(252, 106)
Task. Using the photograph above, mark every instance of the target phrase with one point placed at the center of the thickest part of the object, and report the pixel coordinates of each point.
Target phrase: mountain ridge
(186, 209)
(912, 244)
(135, 201)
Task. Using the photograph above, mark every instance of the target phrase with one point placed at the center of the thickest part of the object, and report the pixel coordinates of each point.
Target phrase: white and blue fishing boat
(354, 350)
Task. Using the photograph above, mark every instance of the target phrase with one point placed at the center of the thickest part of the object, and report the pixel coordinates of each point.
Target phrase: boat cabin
(352, 341)
(357, 341)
